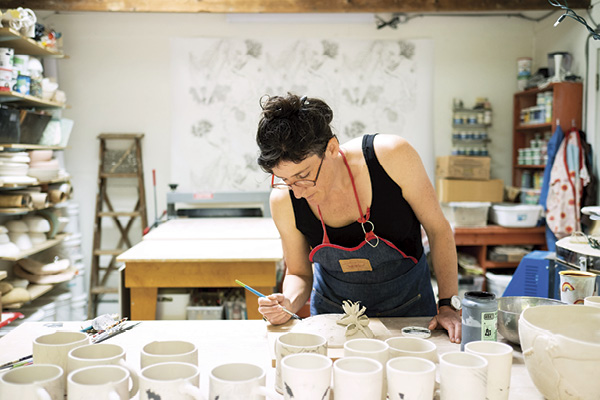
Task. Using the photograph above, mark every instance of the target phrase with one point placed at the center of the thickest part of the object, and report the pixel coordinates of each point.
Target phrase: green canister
(479, 317)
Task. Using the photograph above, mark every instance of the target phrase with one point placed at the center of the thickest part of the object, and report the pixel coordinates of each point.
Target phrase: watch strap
(445, 302)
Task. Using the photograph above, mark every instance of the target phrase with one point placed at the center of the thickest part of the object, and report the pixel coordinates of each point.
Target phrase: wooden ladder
(126, 164)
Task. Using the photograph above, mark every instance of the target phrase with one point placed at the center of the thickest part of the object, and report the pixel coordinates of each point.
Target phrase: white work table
(223, 341)
(202, 253)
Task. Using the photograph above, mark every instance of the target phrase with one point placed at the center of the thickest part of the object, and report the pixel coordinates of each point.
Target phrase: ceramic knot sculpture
(354, 319)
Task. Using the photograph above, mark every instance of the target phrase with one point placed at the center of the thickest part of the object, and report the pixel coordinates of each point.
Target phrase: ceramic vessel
(561, 348)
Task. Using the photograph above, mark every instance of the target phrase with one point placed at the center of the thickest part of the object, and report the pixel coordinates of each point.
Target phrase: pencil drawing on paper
(372, 86)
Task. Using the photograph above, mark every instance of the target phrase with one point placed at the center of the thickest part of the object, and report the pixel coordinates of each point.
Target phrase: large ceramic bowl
(561, 347)
(510, 309)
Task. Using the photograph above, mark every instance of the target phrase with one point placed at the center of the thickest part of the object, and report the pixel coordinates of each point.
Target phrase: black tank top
(391, 214)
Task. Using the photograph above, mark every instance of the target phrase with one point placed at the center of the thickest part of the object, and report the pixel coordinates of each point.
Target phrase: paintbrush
(259, 294)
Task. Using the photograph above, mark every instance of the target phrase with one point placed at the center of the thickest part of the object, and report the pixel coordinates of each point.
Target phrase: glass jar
(479, 317)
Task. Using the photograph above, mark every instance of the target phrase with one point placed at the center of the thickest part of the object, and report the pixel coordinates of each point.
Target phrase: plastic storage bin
(172, 305)
(497, 283)
(204, 312)
(516, 215)
(467, 213)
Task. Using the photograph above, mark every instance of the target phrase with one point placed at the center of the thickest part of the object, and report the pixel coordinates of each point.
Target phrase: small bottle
(479, 317)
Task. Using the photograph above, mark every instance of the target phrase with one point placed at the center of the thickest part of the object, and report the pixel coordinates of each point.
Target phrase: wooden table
(221, 342)
(203, 253)
(478, 239)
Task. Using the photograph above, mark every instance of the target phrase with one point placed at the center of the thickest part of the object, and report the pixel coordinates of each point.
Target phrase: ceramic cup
(54, 348)
(100, 354)
(239, 381)
(306, 376)
(371, 348)
(576, 286)
(499, 358)
(167, 351)
(357, 378)
(593, 301)
(413, 347)
(296, 342)
(410, 378)
(100, 382)
(463, 376)
(35, 382)
(170, 380)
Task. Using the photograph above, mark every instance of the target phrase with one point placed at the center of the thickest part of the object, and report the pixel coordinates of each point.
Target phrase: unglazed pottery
(292, 343)
(561, 347)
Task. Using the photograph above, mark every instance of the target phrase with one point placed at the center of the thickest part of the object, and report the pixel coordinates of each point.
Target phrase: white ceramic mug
(167, 351)
(410, 378)
(239, 381)
(100, 354)
(463, 376)
(54, 348)
(576, 286)
(592, 301)
(371, 348)
(170, 380)
(499, 357)
(100, 382)
(296, 342)
(357, 378)
(35, 382)
(412, 347)
(306, 376)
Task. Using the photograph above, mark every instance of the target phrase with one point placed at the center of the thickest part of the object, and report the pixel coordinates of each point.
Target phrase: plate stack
(43, 166)
(14, 168)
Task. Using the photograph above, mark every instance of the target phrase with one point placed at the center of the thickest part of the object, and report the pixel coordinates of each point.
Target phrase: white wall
(117, 80)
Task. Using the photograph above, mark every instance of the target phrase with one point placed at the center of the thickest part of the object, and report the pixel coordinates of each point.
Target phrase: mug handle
(43, 394)
(134, 378)
(191, 390)
(264, 391)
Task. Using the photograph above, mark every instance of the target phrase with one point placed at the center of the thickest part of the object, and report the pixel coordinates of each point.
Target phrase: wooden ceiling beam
(291, 6)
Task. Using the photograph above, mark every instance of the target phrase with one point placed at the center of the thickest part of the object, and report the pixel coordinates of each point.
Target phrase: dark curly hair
(291, 129)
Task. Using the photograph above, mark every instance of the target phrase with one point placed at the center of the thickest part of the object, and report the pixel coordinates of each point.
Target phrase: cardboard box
(462, 167)
(469, 190)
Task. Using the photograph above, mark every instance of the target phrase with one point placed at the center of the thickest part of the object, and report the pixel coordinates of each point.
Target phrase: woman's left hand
(449, 320)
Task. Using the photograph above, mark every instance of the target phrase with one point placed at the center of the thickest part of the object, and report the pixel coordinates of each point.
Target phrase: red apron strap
(325, 237)
(362, 219)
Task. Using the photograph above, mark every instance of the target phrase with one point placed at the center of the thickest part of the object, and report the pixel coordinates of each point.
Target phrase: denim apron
(378, 274)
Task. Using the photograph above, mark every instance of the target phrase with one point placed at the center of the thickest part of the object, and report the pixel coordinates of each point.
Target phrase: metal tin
(479, 317)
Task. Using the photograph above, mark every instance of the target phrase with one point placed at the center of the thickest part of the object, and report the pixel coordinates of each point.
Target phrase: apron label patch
(356, 265)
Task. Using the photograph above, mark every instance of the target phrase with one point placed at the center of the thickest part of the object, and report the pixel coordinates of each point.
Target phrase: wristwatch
(453, 302)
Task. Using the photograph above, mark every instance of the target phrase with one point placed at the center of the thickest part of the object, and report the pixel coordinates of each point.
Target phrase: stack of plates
(43, 166)
(14, 167)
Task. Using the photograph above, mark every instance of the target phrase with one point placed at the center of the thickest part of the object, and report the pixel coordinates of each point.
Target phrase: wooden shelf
(533, 127)
(530, 166)
(25, 100)
(25, 146)
(35, 291)
(567, 107)
(37, 248)
(24, 45)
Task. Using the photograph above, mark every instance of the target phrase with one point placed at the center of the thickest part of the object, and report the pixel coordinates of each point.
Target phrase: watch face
(455, 300)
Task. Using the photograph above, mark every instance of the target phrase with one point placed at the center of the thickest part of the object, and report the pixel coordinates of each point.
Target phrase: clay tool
(11, 364)
(259, 294)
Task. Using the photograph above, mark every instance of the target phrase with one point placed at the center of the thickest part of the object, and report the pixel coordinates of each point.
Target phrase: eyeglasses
(303, 183)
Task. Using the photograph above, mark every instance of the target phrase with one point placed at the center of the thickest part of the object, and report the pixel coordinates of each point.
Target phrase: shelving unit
(470, 131)
(567, 106)
(23, 45)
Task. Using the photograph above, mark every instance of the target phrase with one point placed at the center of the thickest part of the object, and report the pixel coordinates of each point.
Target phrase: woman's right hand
(271, 307)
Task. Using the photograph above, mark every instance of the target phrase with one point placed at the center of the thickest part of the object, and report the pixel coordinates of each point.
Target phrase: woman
(354, 211)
